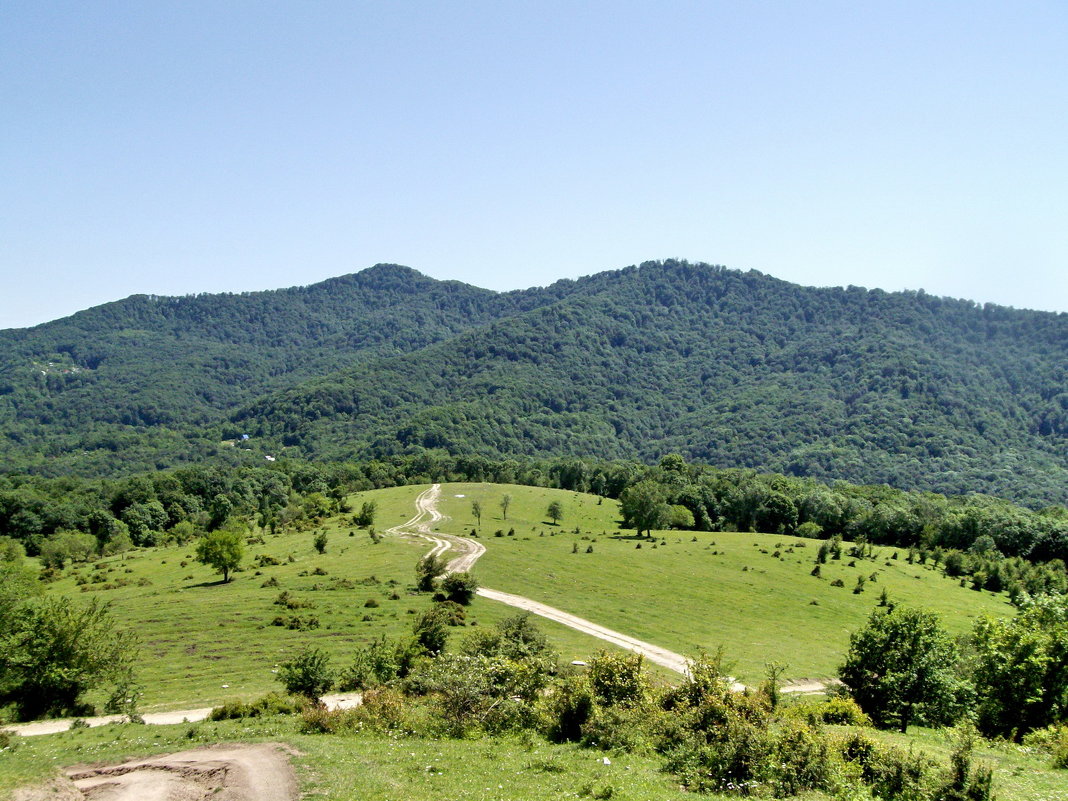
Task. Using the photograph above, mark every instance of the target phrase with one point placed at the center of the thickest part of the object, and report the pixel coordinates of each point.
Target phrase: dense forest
(727, 368)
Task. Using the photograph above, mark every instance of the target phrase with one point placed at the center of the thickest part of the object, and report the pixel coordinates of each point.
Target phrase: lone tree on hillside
(222, 550)
(644, 507)
(476, 510)
(506, 501)
(900, 669)
(555, 511)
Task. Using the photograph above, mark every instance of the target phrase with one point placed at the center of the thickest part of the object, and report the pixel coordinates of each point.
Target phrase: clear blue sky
(178, 147)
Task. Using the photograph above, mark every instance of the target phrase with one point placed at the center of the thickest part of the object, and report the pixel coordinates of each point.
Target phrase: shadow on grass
(208, 584)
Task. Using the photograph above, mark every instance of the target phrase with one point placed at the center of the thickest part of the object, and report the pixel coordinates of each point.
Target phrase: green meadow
(203, 641)
(751, 594)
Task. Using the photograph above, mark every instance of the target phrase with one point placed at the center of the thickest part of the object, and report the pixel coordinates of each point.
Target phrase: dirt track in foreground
(233, 772)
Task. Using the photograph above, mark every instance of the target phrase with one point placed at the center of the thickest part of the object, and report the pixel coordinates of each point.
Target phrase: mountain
(731, 368)
(149, 381)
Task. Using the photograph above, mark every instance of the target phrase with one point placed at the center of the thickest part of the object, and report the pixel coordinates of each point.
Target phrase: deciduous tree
(901, 669)
(222, 549)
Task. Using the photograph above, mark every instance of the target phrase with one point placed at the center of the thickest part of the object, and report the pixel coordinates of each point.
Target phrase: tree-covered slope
(731, 368)
(736, 369)
(149, 381)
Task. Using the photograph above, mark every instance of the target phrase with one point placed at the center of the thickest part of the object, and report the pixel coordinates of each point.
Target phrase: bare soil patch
(229, 772)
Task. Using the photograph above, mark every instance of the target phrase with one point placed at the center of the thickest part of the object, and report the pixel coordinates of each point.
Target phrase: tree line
(996, 543)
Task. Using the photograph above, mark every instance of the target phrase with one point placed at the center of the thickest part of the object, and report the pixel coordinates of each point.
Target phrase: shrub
(371, 603)
(270, 704)
(567, 709)
(965, 782)
(618, 728)
(459, 588)
(800, 759)
(618, 678)
(320, 541)
(387, 710)
(837, 711)
(427, 571)
(366, 516)
(453, 613)
(431, 629)
(308, 674)
(372, 665)
(317, 719)
(1053, 739)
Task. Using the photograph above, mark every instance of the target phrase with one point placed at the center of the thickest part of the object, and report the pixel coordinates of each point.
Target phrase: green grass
(1019, 772)
(198, 635)
(372, 767)
(724, 589)
(203, 642)
(367, 767)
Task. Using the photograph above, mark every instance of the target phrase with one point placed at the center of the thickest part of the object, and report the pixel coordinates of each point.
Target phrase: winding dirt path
(469, 551)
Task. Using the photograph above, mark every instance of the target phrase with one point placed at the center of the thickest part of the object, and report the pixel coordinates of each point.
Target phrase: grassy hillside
(697, 591)
(203, 641)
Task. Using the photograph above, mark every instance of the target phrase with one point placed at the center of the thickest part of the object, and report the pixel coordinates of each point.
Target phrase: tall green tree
(644, 507)
(901, 669)
(53, 651)
(222, 549)
(1021, 668)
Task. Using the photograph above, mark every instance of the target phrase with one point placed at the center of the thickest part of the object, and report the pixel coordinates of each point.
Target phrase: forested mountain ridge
(736, 369)
(153, 378)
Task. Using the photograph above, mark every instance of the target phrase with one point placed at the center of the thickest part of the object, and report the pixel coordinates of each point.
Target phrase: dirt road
(234, 772)
(342, 701)
(469, 550)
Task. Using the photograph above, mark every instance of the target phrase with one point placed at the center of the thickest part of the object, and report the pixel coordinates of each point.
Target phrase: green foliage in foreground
(54, 650)
(902, 668)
